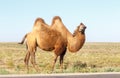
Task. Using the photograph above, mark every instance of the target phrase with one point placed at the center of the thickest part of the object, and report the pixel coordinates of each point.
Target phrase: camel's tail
(23, 39)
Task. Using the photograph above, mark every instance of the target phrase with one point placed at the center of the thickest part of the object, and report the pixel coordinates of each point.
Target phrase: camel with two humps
(52, 37)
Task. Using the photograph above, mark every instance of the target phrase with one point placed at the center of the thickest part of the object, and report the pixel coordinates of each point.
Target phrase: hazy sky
(102, 17)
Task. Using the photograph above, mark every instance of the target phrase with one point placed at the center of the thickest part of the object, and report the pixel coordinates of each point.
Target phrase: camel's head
(81, 28)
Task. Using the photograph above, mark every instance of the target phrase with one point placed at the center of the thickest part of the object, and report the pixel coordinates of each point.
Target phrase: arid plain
(93, 57)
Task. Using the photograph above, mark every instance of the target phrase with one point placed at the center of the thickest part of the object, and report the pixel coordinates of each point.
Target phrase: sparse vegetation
(93, 57)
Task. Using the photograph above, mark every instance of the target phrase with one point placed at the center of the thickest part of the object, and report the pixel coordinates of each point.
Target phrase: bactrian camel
(55, 37)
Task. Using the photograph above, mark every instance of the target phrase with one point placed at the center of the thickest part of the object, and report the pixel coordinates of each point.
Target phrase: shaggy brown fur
(45, 38)
(58, 25)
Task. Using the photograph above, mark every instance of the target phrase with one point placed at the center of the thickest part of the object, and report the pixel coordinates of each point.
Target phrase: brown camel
(53, 38)
(74, 42)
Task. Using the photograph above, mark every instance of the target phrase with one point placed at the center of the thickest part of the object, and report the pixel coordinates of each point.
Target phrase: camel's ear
(81, 23)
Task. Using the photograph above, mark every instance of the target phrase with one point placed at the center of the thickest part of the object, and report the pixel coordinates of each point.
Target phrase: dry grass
(93, 57)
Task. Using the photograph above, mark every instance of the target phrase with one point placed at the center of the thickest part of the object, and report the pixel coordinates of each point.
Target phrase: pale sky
(102, 17)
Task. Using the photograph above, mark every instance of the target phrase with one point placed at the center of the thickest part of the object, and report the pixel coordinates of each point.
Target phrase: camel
(74, 42)
(55, 37)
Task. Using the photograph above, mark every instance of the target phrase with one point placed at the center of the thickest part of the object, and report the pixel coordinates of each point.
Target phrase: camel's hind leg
(26, 60)
(62, 58)
(32, 54)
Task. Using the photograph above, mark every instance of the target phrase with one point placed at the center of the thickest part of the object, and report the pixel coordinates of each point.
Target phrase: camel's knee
(32, 54)
(25, 60)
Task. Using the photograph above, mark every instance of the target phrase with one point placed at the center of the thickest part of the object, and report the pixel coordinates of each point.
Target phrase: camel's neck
(75, 43)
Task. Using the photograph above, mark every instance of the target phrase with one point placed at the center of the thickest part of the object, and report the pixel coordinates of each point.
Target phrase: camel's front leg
(62, 58)
(55, 59)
